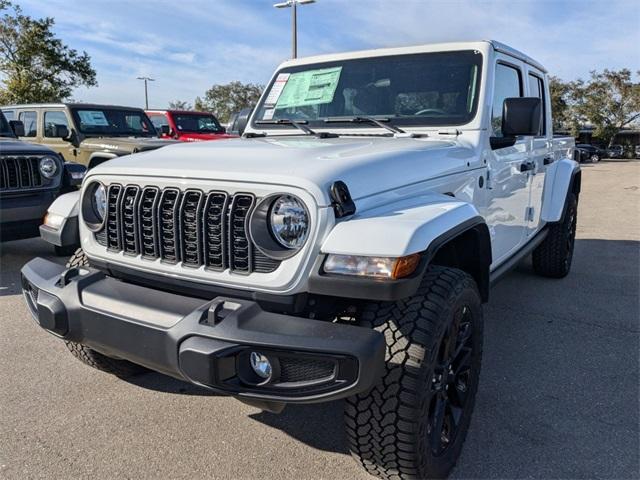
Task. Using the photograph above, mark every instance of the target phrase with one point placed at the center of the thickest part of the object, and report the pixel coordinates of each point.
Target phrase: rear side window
(30, 123)
(9, 114)
(51, 119)
(508, 84)
(536, 89)
(158, 121)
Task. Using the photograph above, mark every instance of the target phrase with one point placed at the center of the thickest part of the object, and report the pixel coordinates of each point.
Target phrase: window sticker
(276, 90)
(268, 114)
(314, 87)
(93, 118)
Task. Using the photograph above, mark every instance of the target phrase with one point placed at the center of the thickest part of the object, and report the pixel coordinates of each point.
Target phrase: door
(507, 184)
(541, 152)
(51, 119)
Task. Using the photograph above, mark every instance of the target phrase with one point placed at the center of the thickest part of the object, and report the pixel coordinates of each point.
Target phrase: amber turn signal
(405, 266)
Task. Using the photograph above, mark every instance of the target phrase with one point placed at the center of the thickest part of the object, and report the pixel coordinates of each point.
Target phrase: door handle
(548, 160)
(527, 166)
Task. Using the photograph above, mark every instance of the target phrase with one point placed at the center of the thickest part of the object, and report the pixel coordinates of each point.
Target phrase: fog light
(261, 365)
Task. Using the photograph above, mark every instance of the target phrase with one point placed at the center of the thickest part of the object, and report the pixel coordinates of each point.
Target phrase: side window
(158, 121)
(9, 114)
(51, 119)
(508, 84)
(536, 89)
(30, 123)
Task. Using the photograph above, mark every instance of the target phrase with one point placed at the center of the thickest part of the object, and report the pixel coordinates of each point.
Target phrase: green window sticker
(314, 87)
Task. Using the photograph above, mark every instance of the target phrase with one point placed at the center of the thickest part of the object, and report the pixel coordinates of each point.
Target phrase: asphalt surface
(559, 393)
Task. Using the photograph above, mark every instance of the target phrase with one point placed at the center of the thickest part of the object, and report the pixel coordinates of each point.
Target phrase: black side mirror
(521, 116)
(165, 130)
(73, 174)
(18, 127)
(61, 131)
(242, 120)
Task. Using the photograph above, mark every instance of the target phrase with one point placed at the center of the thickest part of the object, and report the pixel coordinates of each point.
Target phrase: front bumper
(21, 214)
(205, 342)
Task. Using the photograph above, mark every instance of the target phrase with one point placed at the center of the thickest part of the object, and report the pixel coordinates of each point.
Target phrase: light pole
(146, 94)
(294, 21)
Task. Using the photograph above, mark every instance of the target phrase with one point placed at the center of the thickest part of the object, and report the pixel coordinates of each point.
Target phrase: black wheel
(88, 356)
(413, 423)
(595, 158)
(65, 251)
(553, 257)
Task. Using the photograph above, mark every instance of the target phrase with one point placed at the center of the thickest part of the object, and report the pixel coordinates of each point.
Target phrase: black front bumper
(205, 342)
(22, 213)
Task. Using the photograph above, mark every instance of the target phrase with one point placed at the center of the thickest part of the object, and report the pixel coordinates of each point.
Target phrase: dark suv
(31, 177)
(589, 153)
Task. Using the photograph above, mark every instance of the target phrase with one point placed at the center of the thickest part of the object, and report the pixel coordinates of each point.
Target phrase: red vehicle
(187, 126)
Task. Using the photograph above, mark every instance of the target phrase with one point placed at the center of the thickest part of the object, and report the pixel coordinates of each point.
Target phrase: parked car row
(46, 148)
(592, 153)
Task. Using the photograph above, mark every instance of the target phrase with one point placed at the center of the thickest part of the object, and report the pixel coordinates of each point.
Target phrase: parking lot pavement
(558, 395)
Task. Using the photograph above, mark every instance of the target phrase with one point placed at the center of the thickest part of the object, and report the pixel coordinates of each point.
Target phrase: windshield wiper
(299, 124)
(380, 122)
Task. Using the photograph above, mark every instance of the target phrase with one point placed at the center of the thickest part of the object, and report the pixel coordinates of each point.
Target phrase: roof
(68, 104)
(429, 47)
(180, 112)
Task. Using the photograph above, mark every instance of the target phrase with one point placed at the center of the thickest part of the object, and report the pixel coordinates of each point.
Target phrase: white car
(342, 248)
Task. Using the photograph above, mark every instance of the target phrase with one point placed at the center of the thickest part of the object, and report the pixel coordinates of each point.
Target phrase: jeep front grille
(19, 173)
(190, 227)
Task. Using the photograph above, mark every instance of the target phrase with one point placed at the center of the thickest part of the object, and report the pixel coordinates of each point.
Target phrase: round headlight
(94, 206)
(289, 222)
(99, 202)
(48, 167)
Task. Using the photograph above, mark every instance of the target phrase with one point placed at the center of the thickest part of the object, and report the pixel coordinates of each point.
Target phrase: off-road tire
(64, 251)
(553, 257)
(88, 356)
(388, 427)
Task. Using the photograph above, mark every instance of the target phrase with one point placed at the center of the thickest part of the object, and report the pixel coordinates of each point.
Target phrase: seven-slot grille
(193, 227)
(19, 173)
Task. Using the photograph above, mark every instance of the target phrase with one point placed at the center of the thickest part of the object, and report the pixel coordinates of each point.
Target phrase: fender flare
(65, 206)
(562, 177)
(422, 225)
(103, 155)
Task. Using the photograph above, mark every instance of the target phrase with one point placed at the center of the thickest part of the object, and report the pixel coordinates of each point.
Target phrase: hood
(9, 146)
(198, 137)
(125, 145)
(368, 165)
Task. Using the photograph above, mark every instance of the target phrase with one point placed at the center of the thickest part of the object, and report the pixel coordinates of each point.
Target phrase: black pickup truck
(31, 177)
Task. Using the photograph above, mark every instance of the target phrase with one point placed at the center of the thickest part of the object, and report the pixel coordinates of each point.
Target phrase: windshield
(419, 89)
(196, 123)
(113, 122)
(5, 129)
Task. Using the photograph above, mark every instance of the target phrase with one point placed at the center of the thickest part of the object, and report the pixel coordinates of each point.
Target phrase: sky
(189, 45)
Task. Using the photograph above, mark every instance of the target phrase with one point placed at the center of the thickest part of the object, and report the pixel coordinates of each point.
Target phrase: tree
(35, 66)
(609, 101)
(223, 100)
(180, 105)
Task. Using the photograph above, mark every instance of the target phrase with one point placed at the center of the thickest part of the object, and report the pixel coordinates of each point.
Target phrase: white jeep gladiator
(342, 248)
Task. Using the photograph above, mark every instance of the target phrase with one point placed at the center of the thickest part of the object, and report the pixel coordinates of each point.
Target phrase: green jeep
(87, 133)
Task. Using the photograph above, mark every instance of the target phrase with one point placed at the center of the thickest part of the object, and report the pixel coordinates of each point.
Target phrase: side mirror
(18, 127)
(521, 116)
(165, 130)
(61, 131)
(242, 120)
(73, 174)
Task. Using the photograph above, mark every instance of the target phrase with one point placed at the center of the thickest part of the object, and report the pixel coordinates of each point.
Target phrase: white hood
(367, 165)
